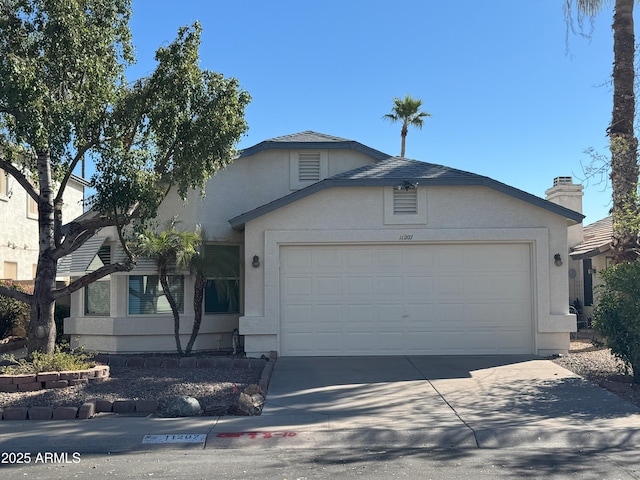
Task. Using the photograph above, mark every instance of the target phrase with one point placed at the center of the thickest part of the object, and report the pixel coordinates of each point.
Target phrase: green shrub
(14, 314)
(617, 315)
(57, 361)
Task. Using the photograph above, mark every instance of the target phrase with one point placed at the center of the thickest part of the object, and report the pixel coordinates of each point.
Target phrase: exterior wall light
(406, 185)
(256, 261)
(557, 259)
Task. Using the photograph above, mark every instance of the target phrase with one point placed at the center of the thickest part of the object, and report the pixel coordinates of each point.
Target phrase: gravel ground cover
(216, 386)
(595, 363)
(210, 386)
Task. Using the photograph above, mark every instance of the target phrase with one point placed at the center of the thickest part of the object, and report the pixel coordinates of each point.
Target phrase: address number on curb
(176, 438)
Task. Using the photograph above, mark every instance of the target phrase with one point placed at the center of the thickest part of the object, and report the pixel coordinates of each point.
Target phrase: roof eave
(348, 145)
(238, 223)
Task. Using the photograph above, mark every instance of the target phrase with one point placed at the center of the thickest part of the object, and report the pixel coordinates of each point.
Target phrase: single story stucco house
(340, 249)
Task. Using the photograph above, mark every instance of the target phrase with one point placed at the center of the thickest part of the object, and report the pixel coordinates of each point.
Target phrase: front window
(147, 298)
(222, 290)
(97, 297)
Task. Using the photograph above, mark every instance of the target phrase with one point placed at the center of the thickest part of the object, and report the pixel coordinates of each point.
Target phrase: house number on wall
(406, 237)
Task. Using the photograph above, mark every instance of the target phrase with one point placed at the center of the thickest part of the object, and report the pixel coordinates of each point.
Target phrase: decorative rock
(183, 407)
(249, 404)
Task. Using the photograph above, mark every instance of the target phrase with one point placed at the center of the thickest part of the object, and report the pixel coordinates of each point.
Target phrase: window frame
(160, 294)
(236, 277)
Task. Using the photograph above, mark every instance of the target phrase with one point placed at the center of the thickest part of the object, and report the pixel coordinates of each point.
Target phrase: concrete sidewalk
(375, 402)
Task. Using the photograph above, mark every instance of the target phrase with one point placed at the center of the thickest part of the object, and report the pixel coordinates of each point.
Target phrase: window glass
(97, 298)
(222, 290)
(146, 296)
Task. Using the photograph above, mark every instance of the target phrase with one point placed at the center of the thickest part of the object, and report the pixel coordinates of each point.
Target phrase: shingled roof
(596, 240)
(396, 170)
(312, 140)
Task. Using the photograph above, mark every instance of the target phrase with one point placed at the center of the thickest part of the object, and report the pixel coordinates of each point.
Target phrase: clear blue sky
(511, 96)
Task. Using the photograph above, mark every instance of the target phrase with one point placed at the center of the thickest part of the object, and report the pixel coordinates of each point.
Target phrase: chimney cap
(562, 181)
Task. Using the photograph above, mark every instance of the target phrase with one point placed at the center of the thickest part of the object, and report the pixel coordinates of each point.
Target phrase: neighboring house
(344, 250)
(19, 220)
(592, 255)
(589, 248)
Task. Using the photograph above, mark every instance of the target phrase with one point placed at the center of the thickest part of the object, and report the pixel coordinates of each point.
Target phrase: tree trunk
(42, 325)
(623, 143)
(403, 134)
(198, 298)
(164, 281)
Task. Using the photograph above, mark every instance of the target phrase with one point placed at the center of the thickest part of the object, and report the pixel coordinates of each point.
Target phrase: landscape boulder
(183, 407)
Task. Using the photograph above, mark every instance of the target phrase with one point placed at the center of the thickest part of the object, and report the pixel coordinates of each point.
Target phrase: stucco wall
(344, 215)
(19, 233)
(249, 182)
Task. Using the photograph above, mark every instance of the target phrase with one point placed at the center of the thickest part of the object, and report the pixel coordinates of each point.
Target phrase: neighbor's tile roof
(395, 170)
(596, 239)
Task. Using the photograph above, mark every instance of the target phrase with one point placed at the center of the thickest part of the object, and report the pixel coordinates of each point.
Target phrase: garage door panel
(406, 299)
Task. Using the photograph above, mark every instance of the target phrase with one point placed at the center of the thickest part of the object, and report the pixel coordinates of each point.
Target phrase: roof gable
(312, 140)
(396, 170)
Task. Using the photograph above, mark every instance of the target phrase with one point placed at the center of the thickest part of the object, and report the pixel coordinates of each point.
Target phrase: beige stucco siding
(454, 214)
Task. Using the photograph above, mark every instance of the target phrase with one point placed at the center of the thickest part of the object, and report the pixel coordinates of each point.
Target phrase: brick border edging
(91, 408)
(48, 380)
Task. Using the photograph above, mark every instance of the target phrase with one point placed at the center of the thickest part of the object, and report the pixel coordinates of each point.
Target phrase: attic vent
(405, 202)
(562, 181)
(309, 167)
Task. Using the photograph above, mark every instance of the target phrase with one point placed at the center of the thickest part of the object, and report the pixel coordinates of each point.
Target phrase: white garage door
(406, 299)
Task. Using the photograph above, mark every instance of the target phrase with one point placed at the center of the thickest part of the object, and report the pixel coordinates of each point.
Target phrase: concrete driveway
(468, 401)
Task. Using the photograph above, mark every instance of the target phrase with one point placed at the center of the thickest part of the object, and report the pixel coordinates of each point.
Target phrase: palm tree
(406, 111)
(623, 143)
(164, 248)
(219, 268)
